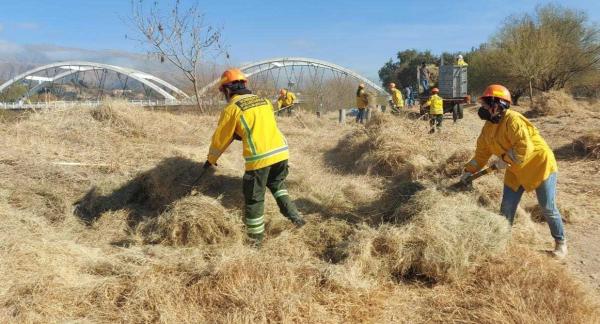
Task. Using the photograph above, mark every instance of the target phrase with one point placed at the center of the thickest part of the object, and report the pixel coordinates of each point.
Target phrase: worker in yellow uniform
(528, 160)
(285, 101)
(461, 61)
(362, 102)
(397, 99)
(436, 111)
(265, 150)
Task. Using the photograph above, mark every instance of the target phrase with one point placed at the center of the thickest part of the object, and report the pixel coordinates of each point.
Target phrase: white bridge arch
(283, 62)
(72, 67)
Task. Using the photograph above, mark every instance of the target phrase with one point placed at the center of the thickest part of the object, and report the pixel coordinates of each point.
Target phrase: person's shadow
(152, 192)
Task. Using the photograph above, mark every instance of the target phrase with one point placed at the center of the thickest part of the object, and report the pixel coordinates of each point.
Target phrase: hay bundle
(194, 220)
(588, 146)
(554, 102)
(455, 163)
(120, 116)
(452, 234)
(394, 150)
(444, 238)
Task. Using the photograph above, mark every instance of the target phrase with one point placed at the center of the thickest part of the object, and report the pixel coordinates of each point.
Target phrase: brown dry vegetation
(386, 239)
(558, 102)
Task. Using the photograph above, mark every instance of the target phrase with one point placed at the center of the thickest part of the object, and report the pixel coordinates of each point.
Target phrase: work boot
(298, 221)
(431, 131)
(560, 249)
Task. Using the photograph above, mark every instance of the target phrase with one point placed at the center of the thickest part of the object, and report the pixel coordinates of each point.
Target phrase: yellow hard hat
(496, 91)
(230, 76)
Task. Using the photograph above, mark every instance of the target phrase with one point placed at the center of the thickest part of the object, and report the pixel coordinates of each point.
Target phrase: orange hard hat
(230, 76)
(362, 85)
(282, 91)
(496, 91)
(435, 90)
(392, 85)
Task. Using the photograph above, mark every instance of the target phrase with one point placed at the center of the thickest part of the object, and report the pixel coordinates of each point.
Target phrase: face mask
(484, 114)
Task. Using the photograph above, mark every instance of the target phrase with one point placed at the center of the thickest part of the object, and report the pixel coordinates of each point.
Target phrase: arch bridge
(286, 71)
(48, 75)
(297, 69)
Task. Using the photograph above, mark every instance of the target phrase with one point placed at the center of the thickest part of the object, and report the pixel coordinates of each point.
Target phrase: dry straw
(385, 240)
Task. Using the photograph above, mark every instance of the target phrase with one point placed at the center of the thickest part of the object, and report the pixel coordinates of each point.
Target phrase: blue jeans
(425, 85)
(360, 116)
(546, 196)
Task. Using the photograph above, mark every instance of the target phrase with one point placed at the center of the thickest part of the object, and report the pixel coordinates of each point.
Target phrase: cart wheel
(460, 111)
(455, 112)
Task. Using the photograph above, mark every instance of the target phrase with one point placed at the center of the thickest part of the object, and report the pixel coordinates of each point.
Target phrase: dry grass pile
(556, 102)
(195, 220)
(154, 253)
(444, 237)
(455, 163)
(519, 287)
(393, 149)
(588, 146)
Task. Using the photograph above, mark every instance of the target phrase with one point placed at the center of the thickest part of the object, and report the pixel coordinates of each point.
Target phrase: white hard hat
(460, 57)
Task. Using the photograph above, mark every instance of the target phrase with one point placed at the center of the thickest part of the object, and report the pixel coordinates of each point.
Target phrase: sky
(360, 35)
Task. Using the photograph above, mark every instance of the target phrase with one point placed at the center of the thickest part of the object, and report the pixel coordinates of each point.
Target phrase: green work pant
(255, 183)
(436, 120)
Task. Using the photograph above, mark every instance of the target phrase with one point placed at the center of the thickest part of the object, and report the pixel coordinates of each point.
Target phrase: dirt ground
(579, 184)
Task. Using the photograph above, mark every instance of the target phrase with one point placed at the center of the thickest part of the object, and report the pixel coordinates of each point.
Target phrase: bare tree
(180, 37)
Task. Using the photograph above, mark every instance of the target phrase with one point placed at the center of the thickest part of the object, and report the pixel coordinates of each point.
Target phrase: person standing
(250, 118)
(529, 162)
(460, 61)
(362, 102)
(436, 111)
(397, 100)
(424, 78)
(407, 96)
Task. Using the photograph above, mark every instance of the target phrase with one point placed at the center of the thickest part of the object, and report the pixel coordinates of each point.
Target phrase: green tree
(404, 71)
(13, 93)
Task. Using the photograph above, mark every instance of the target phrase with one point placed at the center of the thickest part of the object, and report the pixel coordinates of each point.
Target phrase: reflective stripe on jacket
(530, 159)
(251, 118)
(286, 100)
(397, 98)
(436, 105)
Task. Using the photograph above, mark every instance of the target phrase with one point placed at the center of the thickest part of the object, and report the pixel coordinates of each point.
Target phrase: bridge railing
(88, 104)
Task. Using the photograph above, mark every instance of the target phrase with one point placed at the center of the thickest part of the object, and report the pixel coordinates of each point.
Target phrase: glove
(465, 177)
(500, 164)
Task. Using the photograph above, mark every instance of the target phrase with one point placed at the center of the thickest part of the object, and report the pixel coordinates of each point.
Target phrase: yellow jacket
(251, 118)
(362, 99)
(286, 100)
(436, 105)
(397, 98)
(519, 143)
(461, 62)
